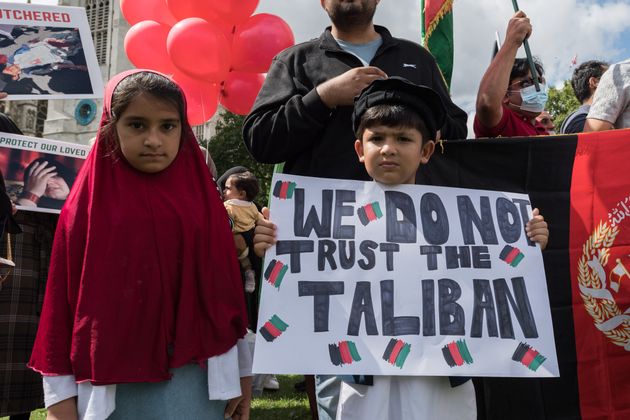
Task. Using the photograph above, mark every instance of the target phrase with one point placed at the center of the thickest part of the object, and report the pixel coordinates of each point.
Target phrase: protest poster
(39, 173)
(46, 52)
(402, 280)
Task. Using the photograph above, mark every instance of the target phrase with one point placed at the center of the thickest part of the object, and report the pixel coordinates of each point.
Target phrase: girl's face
(57, 188)
(149, 132)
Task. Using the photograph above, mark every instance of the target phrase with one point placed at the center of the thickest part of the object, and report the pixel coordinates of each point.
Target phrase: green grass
(35, 415)
(285, 404)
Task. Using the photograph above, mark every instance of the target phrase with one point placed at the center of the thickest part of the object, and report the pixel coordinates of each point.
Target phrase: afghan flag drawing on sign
(582, 186)
(437, 33)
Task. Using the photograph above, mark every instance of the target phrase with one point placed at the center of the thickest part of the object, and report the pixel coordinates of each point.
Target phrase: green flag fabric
(437, 33)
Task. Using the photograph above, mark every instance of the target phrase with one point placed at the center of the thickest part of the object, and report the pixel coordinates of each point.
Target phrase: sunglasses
(525, 83)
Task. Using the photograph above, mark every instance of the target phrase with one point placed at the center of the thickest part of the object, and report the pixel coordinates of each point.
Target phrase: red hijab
(143, 274)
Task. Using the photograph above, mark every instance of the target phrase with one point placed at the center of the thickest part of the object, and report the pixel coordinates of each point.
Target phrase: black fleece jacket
(289, 122)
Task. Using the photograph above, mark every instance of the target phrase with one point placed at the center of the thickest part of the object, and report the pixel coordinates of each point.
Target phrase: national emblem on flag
(616, 274)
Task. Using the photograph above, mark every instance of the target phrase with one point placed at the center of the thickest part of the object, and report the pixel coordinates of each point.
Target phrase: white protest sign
(47, 52)
(406, 280)
(19, 158)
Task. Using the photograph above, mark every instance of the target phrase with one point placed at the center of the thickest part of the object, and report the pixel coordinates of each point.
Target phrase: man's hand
(518, 30)
(342, 89)
(264, 234)
(495, 81)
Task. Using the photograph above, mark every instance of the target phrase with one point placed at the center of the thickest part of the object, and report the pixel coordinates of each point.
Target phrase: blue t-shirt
(364, 52)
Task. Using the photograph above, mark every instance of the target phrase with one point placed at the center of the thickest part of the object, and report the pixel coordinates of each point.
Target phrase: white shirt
(99, 402)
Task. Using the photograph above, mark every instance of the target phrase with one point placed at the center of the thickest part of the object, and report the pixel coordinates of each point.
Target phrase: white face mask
(533, 100)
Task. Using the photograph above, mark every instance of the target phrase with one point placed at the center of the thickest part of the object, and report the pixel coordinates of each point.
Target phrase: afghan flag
(581, 184)
(437, 33)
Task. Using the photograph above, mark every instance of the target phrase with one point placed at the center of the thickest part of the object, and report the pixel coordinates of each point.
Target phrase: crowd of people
(151, 297)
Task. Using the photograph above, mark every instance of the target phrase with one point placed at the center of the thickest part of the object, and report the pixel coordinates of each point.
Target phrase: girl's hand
(537, 229)
(238, 408)
(264, 235)
(38, 178)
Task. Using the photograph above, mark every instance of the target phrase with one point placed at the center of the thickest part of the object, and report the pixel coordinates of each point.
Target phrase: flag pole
(528, 53)
(497, 45)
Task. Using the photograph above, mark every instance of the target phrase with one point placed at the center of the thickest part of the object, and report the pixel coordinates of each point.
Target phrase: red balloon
(240, 91)
(202, 98)
(136, 11)
(199, 49)
(184, 9)
(145, 45)
(234, 11)
(258, 40)
(227, 12)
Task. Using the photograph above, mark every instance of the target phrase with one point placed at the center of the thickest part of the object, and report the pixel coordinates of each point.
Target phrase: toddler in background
(239, 193)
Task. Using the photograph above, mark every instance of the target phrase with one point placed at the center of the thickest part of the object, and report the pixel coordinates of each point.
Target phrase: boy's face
(230, 192)
(392, 155)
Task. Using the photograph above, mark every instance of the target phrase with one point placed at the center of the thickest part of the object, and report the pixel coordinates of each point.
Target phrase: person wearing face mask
(508, 101)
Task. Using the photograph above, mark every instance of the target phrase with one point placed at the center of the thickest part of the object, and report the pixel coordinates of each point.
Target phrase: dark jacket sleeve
(286, 118)
(455, 126)
(576, 125)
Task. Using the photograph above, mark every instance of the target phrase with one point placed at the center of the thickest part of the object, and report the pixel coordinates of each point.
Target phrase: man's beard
(346, 16)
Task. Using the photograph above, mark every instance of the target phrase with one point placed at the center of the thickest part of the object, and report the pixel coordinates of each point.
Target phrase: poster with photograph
(39, 173)
(46, 52)
(406, 280)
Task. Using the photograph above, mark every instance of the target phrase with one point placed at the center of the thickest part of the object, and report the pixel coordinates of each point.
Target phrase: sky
(561, 29)
(590, 29)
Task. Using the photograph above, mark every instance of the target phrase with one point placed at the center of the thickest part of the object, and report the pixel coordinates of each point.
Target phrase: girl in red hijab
(144, 308)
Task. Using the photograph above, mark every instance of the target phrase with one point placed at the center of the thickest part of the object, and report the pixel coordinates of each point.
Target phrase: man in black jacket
(302, 114)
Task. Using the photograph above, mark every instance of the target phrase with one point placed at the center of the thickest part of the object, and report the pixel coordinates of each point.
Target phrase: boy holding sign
(396, 123)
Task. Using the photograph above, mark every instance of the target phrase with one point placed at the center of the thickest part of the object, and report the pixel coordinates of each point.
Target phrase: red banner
(600, 273)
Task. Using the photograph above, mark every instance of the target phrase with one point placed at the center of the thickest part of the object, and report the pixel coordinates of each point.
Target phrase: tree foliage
(228, 150)
(561, 103)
